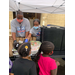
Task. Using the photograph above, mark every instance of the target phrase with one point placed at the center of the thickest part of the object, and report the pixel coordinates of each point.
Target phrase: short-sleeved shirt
(36, 32)
(20, 29)
(23, 67)
(46, 64)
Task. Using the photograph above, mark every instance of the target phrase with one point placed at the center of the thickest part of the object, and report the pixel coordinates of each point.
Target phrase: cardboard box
(10, 38)
(30, 38)
(34, 38)
(21, 39)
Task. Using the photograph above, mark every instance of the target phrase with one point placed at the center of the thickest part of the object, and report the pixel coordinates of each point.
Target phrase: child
(47, 65)
(23, 66)
(35, 30)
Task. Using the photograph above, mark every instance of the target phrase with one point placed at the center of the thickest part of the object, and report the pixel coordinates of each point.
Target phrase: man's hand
(25, 40)
(29, 36)
(15, 41)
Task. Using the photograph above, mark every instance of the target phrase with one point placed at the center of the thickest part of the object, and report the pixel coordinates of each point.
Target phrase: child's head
(47, 47)
(36, 22)
(24, 49)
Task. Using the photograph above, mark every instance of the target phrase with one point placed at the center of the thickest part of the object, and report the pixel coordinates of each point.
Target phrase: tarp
(38, 6)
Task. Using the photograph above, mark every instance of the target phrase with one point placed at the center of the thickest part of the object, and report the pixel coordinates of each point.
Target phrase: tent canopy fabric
(38, 6)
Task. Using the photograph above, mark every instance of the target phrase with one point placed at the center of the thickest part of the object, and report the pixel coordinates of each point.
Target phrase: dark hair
(46, 47)
(36, 20)
(19, 12)
(22, 50)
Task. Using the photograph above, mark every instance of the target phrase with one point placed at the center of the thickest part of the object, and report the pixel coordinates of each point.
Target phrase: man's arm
(26, 34)
(14, 36)
(30, 33)
(29, 36)
(27, 29)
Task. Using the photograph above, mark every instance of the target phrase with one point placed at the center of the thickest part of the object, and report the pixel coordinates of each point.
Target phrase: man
(20, 26)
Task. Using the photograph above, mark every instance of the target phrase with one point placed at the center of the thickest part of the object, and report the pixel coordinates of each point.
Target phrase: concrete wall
(55, 19)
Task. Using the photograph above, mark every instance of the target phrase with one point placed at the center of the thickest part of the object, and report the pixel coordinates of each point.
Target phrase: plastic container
(48, 26)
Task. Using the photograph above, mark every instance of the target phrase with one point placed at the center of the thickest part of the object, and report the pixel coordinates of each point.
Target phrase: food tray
(35, 45)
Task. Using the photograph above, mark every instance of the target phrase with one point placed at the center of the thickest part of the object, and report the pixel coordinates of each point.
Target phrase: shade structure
(38, 6)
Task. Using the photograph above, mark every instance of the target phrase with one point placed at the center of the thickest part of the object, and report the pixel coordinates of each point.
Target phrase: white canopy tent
(38, 6)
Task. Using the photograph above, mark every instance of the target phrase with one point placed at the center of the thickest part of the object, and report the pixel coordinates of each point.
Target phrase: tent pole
(27, 5)
(16, 4)
(12, 8)
(19, 5)
(57, 7)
